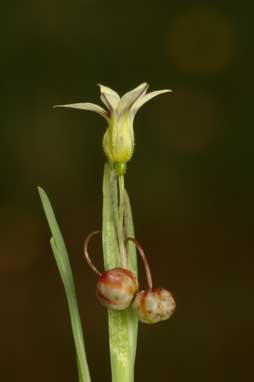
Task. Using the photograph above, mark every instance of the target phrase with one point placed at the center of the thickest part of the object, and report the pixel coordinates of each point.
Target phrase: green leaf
(64, 267)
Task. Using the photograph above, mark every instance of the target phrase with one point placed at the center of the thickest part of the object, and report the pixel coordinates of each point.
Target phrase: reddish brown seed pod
(154, 305)
(116, 287)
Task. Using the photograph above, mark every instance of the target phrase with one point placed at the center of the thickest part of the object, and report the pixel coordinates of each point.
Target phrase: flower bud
(116, 288)
(154, 305)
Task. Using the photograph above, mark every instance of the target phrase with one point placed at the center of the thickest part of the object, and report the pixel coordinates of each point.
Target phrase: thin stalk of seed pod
(87, 257)
(145, 261)
(120, 224)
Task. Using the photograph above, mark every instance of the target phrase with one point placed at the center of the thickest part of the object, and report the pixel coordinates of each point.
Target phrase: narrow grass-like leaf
(122, 325)
(63, 264)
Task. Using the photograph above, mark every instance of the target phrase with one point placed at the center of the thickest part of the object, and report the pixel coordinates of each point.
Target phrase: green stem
(122, 324)
(132, 265)
(120, 223)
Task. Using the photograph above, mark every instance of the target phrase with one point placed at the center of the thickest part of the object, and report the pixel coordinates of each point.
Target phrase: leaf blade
(62, 260)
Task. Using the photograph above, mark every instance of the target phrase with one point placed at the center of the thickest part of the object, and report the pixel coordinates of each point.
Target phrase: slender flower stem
(122, 324)
(120, 225)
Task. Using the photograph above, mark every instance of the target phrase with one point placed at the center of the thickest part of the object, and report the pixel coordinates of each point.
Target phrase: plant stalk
(120, 223)
(117, 223)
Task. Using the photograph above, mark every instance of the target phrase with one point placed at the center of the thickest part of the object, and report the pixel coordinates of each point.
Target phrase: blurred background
(190, 181)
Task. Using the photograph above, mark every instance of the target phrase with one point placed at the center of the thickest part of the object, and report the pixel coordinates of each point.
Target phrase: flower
(118, 140)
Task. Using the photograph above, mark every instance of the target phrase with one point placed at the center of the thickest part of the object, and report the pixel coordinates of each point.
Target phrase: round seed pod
(116, 288)
(154, 305)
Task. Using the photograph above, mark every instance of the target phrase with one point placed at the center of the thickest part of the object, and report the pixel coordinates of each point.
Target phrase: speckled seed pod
(154, 305)
(116, 288)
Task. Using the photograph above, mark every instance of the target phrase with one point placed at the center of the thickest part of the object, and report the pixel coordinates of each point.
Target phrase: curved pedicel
(153, 304)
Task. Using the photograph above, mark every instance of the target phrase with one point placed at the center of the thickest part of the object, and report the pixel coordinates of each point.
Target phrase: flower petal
(109, 97)
(132, 96)
(87, 106)
(147, 97)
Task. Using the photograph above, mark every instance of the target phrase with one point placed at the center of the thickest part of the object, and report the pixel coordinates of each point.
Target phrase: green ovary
(118, 140)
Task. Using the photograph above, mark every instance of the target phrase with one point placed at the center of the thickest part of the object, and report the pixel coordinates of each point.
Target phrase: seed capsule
(116, 288)
(154, 305)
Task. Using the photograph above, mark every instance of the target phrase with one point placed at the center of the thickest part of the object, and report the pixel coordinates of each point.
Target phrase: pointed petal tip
(61, 106)
(145, 84)
(104, 86)
(109, 97)
(142, 87)
(165, 91)
(107, 89)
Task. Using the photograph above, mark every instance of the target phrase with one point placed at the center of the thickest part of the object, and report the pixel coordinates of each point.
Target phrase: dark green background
(190, 181)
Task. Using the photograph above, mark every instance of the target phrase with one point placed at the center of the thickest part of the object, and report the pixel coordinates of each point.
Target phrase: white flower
(118, 140)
